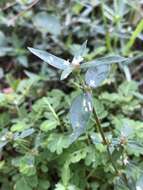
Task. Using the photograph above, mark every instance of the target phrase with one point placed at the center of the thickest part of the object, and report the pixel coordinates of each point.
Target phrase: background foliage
(35, 152)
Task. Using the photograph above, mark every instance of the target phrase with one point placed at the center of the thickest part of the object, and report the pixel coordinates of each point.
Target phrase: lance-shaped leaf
(66, 72)
(78, 56)
(80, 111)
(104, 60)
(81, 51)
(139, 183)
(51, 59)
(24, 134)
(96, 75)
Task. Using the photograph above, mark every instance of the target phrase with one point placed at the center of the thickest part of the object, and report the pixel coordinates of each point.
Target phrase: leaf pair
(60, 63)
(97, 70)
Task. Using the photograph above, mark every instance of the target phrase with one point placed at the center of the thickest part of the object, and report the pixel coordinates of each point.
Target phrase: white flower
(92, 83)
(126, 161)
(3, 138)
(77, 60)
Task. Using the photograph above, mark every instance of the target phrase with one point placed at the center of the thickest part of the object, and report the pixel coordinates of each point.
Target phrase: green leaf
(128, 88)
(3, 39)
(49, 125)
(2, 144)
(47, 23)
(24, 134)
(66, 72)
(3, 139)
(52, 60)
(26, 165)
(81, 51)
(19, 126)
(23, 60)
(78, 155)
(134, 35)
(57, 142)
(95, 76)
(59, 186)
(21, 184)
(65, 174)
(32, 181)
(103, 61)
(139, 184)
(43, 184)
(97, 141)
(135, 148)
(2, 163)
(80, 111)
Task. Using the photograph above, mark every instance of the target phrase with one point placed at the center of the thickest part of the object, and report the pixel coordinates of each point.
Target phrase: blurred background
(61, 26)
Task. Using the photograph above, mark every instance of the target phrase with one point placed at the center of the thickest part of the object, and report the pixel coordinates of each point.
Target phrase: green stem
(105, 140)
(107, 36)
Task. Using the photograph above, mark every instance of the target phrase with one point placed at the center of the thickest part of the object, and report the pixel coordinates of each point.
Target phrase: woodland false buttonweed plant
(96, 71)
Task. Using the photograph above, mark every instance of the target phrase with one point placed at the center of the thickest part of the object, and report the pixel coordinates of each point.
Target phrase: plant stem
(105, 141)
(107, 35)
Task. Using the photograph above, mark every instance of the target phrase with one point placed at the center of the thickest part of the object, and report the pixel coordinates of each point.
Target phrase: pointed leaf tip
(49, 58)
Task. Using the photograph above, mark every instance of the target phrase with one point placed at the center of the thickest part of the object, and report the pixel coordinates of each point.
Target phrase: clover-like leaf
(51, 59)
(95, 76)
(104, 60)
(22, 184)
(57, 142)
(79, 114)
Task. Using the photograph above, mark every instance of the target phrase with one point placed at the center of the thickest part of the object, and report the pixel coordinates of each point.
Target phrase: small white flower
(77, 60)
(3, 138)
(92, 82)
(126, 161)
